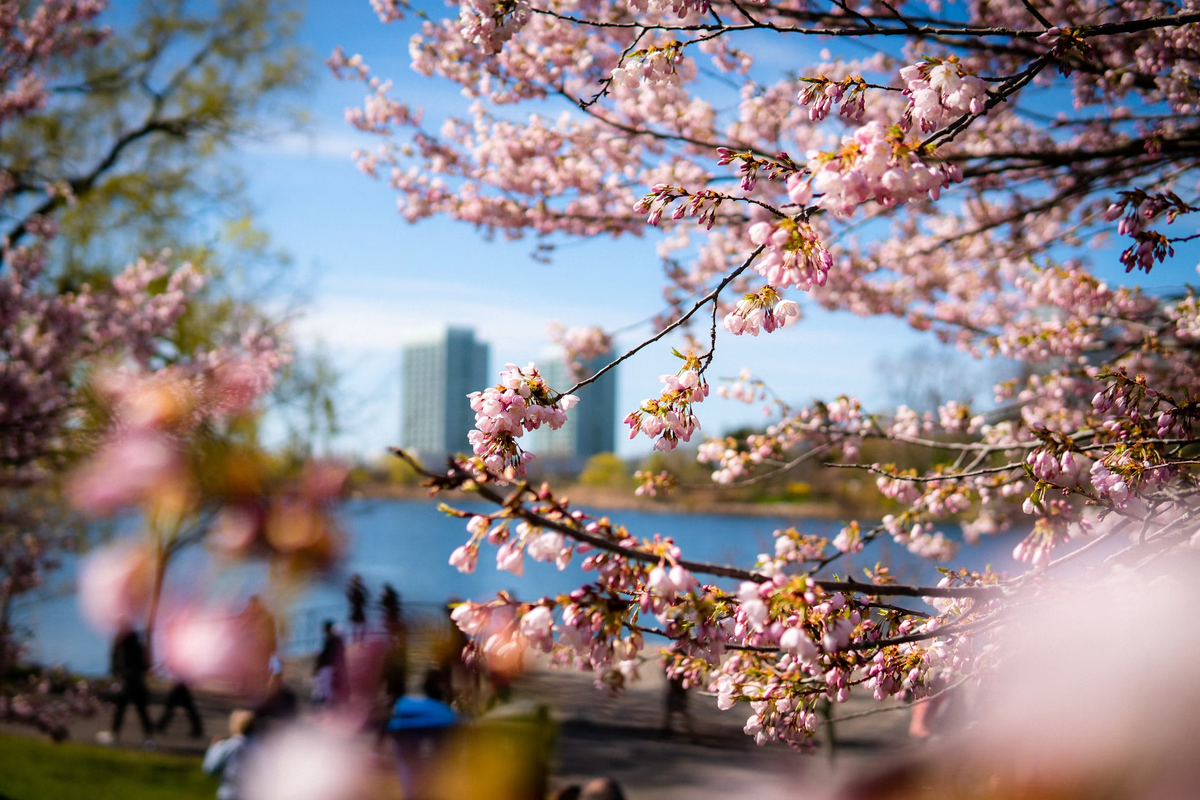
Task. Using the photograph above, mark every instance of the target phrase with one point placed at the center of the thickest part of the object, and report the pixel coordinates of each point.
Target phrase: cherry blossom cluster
(490, 24)
(50, 699)
(513, 542)
(653, 65)
(389, 10)
(877, 163)
(503, 413)
(703, 204)
(762, 310)
(580, 345)
(669, 418)
(1096, 436)
(1186, 317)
(750, 165)
(792, 254)
(680, 8)
(820, 93)
(31, 36)
(779, 643)
(918, 538)
(744, 388)
(653, 484)
(940, 92)
(243, 514)
(822, 427)
(505, 630)
(1136, 209)
(48, 335)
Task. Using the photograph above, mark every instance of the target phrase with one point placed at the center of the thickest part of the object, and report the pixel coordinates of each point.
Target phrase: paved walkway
(621, 737)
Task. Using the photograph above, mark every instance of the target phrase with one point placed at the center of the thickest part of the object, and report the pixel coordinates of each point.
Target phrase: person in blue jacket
(419, 727)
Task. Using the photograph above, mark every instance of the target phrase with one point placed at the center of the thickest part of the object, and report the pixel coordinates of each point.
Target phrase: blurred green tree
(125, 153)
(605, 470)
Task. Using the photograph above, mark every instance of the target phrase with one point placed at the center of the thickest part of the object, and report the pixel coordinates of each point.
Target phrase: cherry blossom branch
(775, 472)
(901, 707)
(951, 476)
(459, 478)
(586, 107)
(1104, 29)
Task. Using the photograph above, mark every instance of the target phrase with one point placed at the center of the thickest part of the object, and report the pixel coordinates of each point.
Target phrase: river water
(407, 543)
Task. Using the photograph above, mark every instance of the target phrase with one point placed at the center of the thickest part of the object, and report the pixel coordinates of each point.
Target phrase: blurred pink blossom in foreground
(115, 585)
(1096, 681)
(306, 762)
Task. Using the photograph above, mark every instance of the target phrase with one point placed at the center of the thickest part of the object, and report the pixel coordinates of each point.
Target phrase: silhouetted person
(356, 593)
(129, 666)
(459, 681)
(393, 610)
(396, 663)
(180, 696)
(330, 684)
(676, 703)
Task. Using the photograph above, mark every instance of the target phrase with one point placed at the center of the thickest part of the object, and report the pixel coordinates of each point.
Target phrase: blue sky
(372, 279)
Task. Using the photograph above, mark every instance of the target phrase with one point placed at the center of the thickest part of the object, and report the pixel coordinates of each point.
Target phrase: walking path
(621, 737)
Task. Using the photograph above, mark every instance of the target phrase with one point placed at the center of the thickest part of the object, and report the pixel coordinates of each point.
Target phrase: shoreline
(626, 500)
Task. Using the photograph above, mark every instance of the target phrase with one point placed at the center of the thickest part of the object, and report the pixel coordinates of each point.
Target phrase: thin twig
(699, 305)
(926, 699)
(927, 478)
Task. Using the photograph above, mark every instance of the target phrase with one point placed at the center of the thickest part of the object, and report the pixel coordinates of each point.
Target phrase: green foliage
(305, 402)
(605, 470)
(135, 136)
(681, 463)
(399, 472)
(33, 769)
(135, 128)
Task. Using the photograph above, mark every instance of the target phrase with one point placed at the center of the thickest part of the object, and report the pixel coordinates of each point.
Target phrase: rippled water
(407, 543)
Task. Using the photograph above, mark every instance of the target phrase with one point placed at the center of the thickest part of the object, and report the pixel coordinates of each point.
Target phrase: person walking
(356, 593)
(676, 704)
(129, 667)
(330, 685)
(395, 660)
(180, 696)
(392, 607)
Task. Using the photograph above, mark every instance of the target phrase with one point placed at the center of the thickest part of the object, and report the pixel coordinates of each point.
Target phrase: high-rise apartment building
(591, 426)
(438, 372)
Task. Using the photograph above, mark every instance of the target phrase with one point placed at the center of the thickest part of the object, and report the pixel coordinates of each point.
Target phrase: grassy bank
(35, 769)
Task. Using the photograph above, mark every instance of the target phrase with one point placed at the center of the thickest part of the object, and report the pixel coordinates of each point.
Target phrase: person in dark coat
(393, 610)
(129, 667)
(395, 660)
(330, 684)
(356, 594)
(395, 670)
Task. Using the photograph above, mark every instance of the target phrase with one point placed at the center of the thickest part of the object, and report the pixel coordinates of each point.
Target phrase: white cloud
(317, 144)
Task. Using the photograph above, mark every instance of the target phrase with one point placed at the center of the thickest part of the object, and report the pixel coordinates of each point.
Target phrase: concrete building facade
(437, 374)
(591, 426)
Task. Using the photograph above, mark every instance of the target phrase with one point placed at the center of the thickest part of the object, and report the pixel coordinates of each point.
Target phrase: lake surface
(407, 543)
